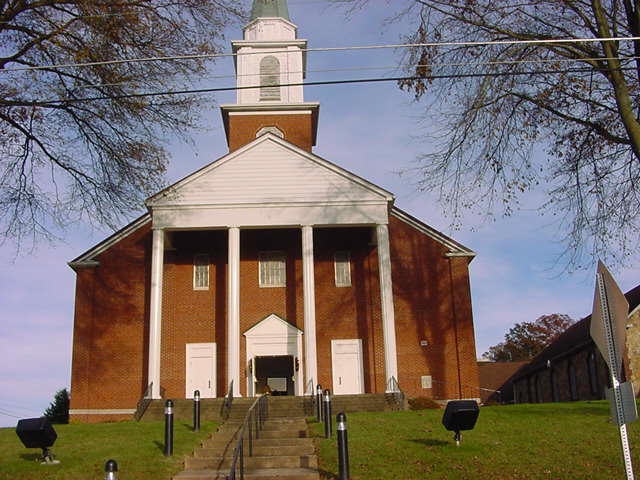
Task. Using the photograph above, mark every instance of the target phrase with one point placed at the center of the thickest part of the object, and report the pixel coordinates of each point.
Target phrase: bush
(423, 403)
(58, 411)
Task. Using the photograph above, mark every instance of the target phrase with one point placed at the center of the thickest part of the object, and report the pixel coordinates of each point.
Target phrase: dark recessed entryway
(275, 374)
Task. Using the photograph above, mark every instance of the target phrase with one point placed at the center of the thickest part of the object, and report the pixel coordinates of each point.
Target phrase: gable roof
(86, 259)
(574, 338)
(269, 169)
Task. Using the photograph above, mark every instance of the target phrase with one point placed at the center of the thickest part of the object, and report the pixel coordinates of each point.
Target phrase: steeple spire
(270, 8)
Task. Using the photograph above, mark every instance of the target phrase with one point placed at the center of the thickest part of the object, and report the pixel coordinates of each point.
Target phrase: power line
(328, 82)
(324, 49)
(391, 67)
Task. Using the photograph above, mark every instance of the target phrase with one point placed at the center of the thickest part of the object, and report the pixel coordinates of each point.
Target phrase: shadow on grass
(160, 445)
(33, 457)
(430, 442)
(325, 474)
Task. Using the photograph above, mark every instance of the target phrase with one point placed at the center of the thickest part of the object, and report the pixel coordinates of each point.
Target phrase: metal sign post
(608, 320)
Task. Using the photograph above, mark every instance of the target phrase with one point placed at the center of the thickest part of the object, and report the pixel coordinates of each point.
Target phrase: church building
(270, 269)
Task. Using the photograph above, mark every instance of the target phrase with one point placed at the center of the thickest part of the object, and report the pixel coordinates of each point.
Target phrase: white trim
(335, 268)
(278, 112)
(271, 344)
(266, 108)
(284, 20)
(634, 311)
(195, 270)
(266, 44)
(110, 241)
(269, 137)
(265, 258)
(105, 411)
(451, 244)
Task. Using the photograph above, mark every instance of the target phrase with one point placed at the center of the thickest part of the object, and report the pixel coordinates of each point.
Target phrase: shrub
(423, 403)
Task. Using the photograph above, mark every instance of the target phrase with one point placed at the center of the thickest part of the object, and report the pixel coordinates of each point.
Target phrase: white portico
(270, 183)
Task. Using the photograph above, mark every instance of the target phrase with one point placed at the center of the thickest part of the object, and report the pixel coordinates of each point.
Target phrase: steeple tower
(273, 60)
(270, 8)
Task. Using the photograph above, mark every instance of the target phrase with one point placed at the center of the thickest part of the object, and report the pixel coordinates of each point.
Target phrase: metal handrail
(228, 401)
(310, 388)
(253, 423)
(309, 394)
(143, 403)
(393, 387)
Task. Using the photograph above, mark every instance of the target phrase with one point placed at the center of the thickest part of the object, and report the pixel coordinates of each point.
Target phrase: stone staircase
(284, 449)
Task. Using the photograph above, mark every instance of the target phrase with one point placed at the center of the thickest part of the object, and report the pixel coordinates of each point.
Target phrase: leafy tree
(58, 411)
(525, 340)
(63, 159)
(484, 152)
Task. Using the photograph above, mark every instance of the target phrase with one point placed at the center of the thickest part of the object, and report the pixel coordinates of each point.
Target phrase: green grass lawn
(536, 441)
(83, 450)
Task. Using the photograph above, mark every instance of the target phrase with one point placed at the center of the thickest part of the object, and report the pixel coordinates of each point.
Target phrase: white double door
(201, 370)
(347, 369)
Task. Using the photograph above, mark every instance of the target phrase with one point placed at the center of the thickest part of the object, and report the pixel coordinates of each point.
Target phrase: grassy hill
(83, 450)
(524, 442)
(520, 442)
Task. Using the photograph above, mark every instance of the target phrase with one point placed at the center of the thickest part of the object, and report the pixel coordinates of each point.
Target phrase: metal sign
(608, 320)
(618, 309)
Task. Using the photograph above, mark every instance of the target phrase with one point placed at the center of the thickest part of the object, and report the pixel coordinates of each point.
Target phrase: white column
(308, 285)
(233, 310)
(155, 311)
(386, 296)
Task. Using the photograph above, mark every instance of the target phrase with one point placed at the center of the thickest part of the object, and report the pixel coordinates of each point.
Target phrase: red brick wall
(431, 297)
(297, 129)
(432, 302)
(110, 333)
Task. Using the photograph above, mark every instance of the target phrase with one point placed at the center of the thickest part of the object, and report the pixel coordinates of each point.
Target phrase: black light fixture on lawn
(460, 415)
(38, 433)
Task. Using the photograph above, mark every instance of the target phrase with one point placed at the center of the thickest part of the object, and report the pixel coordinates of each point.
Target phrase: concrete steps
(283, 449)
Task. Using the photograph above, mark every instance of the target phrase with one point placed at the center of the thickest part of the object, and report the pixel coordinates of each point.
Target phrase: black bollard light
(168, 428)
(319, 403)
(196, 411)
(111, 470)
(343, 446)
(327, 414)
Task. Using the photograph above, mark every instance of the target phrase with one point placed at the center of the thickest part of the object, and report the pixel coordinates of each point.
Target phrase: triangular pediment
(270, 170)
(273, 326)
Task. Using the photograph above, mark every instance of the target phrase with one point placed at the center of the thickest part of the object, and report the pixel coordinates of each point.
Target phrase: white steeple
(269, 55)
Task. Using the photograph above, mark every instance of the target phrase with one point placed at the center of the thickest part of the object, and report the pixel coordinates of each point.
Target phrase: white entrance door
(346, 359)
(201, 369)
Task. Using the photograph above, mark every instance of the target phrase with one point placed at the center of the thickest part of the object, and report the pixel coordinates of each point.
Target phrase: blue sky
(369, 129)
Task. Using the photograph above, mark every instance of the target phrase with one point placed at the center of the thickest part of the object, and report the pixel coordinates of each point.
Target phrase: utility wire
(325, 49)
(305, 84)
(6, 414)
(387, 67)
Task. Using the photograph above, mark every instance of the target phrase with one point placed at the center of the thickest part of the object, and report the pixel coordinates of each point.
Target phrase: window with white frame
(342, 261)
(273, 269)
(201, 272)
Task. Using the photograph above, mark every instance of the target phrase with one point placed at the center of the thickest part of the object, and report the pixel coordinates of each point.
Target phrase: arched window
(269, 78)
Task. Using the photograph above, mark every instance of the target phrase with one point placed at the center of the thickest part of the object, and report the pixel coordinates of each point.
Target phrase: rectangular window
(273, 271)
(343, 269)
(201, 272)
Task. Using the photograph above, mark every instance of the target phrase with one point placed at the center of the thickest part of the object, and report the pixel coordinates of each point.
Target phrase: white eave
(456, 249)
(270, 44)
(87, 259)
(384, 194)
